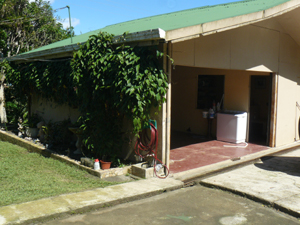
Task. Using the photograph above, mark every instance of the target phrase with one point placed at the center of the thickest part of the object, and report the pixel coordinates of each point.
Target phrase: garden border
(31, 147)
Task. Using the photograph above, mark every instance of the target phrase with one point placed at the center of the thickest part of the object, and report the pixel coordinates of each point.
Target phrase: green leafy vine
(50, 80)
(114, 82)
(108, 82)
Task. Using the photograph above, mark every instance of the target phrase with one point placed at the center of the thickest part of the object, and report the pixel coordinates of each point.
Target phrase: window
(210, 89)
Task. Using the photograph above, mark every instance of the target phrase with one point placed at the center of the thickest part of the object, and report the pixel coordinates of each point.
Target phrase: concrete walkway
(274, 180)
(186, 206)
(84, 201)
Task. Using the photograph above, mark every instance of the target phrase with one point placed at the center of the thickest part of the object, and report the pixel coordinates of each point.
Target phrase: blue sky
(89, 15)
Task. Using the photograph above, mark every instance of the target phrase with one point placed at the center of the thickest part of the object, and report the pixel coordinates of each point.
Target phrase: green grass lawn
(28, 176)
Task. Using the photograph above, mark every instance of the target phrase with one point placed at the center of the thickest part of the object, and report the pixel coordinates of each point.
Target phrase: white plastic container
(232, 126)
(96, 165)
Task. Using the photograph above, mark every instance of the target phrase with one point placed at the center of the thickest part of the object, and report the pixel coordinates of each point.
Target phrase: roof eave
(45, 54)
(204, 29)
(142, 36)
(148, 35)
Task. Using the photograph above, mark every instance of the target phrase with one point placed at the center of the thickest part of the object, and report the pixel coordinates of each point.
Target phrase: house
(250, 49)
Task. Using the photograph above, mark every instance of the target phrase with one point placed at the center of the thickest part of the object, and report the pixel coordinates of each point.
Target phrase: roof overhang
(148, 37)
(204, 29)
(288, 14)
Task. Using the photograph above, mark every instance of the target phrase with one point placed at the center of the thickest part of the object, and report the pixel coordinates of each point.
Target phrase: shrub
(113, 82)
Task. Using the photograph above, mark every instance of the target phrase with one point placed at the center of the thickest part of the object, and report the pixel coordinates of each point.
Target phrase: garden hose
(148, 146)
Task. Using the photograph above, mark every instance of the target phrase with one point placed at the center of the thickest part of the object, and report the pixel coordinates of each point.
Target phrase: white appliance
(232, 126)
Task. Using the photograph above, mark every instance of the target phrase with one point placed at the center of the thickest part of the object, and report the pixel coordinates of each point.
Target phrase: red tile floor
(190, 151)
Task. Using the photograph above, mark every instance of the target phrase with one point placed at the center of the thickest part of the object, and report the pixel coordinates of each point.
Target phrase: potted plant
(31, 125)
(105, 164)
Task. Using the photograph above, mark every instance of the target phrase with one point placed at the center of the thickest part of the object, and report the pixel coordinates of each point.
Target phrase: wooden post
(273, 123)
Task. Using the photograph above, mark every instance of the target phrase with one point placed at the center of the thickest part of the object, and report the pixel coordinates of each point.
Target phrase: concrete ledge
(201, 172)
(30, 212)
(13, 139)
(31, 147)
(142, 170)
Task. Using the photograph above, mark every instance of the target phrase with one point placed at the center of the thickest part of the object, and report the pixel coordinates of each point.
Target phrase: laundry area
(218, 115)
(190, 151)
(238, 69)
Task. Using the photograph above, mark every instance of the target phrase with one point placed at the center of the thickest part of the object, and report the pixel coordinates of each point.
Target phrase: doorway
(260, 107)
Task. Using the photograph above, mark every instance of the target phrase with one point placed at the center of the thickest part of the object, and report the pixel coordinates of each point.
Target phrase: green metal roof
(176, 20)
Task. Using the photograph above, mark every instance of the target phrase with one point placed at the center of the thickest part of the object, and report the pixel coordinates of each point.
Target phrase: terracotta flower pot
(105, 165)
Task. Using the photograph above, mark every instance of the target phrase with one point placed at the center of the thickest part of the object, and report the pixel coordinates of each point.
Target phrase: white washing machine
(232, 126)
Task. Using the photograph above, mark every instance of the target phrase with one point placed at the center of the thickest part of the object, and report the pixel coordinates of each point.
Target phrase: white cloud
(66, 24)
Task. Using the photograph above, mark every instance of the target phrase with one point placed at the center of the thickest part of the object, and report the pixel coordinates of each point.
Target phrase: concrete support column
(166, 108)
(164, 112)
(169, 98)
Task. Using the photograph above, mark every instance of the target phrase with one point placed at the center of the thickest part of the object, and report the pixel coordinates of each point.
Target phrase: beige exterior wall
(246, 48)
(52, 111)
(288, 91)
(262, 47)
(184, 96)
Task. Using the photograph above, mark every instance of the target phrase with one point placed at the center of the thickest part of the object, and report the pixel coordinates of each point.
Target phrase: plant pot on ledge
(78, 133)
(31, 132)
(105, 165)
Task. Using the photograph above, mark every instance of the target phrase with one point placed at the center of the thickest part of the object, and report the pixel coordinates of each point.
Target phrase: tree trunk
(3, 117)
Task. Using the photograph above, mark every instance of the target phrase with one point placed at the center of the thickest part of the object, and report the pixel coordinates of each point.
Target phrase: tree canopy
(28, 25)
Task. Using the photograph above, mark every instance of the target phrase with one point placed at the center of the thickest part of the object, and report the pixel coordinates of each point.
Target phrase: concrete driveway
(274, 180)
(192, 205)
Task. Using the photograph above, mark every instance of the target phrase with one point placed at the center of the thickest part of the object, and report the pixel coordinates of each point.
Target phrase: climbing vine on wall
(107, 81)
(50, 80)
(113, 82)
